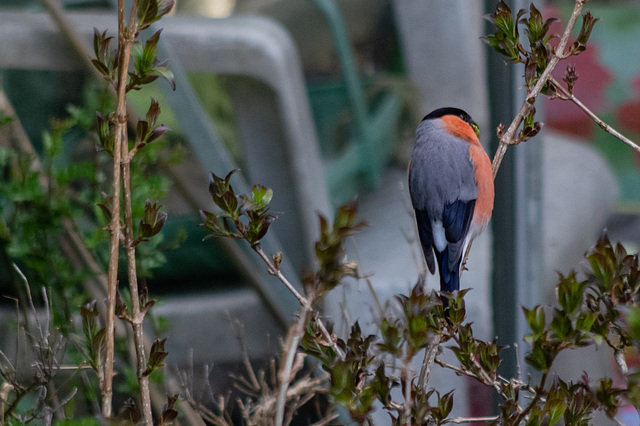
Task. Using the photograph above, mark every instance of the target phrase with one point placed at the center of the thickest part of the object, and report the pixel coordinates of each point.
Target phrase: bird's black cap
(441, 112)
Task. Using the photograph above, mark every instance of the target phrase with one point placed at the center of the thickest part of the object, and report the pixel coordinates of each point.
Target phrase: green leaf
(505, 40)
(536, 319)
(391, 337)
(541, 356)
(633, 322)
(535, 417)
(382, 385)
(107, 207)
(570, 292)
(215, 224)
(585, 321)
(555, 410)
(152, 222)
(561, 325)
(106, 60)
(603, 268)
(106, 133)
(164, 73)
(156, 356)
(147, 12)
(588, 22)
(151, 11)
(536, 27)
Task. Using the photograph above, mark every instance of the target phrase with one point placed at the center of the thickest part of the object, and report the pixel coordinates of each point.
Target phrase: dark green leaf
(156, 356)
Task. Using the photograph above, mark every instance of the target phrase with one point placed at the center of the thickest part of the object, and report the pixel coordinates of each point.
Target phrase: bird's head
(456, 121)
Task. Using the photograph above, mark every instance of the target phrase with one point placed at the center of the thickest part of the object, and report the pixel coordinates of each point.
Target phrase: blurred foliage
(34, 204)
(39, 203)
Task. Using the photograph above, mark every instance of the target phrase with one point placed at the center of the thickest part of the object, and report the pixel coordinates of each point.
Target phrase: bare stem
(271, 268)
(137, 316)
(284, 375)
(406, 391)
(57, 13)
(481, 375)
(112, 279)
(459, 420)
(126, 37)
(535, 399)
(427, 363)
(304, 302)
(485, 377)
(565, 94)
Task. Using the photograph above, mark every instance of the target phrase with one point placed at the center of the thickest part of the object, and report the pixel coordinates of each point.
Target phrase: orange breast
(484, 181)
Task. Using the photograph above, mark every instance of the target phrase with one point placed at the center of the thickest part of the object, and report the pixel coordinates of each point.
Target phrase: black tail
(449, 279)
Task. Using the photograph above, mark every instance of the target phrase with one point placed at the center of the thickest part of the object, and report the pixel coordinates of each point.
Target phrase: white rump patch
(439, 237)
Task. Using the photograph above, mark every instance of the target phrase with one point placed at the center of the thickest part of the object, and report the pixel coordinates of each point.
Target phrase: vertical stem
(284, 375)
(136, 314)
(112, 280)
(406, 390)
(429, 357)
(126, 37)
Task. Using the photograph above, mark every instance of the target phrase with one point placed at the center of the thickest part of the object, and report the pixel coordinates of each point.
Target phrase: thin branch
(485, 377)
(327, 420)
(482, 375)
(124, 48)
(284, 375)
(566, 95)
(406, 391)
(304, 302)
(125, 163)
(238, 330)
(276, 273)
(427, 363)
(459, 420)
(30, 298)
(56, 11)
(619, 356)
(518, 367)
(535, 399)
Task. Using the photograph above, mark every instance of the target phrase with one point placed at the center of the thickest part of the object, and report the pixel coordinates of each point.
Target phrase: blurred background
(319, 99)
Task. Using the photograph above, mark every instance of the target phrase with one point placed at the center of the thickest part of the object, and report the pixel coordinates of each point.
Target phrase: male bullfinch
(451, 187)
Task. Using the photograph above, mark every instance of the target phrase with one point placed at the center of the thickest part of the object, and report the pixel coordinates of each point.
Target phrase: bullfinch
(451, 188)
